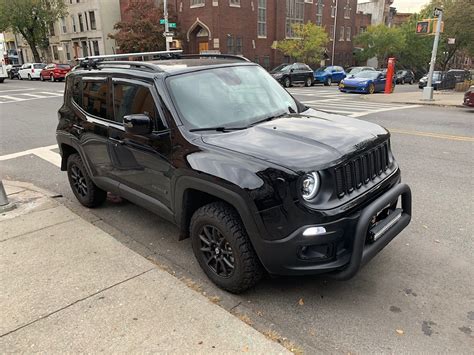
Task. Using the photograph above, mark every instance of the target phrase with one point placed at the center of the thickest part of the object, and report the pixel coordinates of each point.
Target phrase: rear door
(140, 162)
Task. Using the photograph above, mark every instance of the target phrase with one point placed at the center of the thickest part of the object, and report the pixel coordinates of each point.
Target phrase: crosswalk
(334, 101)
(18, 95)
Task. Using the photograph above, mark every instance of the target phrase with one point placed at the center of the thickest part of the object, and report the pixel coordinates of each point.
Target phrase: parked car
(55, 72)
(30, 71)
(461, 75)
(3, 72)
(469, 97)
(354, 70)
(12, 70)
(366, 82)
(441, 80)
(328, 75)
(404, 76)
(289, 74)
(257, 180)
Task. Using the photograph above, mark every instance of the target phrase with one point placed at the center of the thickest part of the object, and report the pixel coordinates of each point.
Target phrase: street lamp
(334, 35)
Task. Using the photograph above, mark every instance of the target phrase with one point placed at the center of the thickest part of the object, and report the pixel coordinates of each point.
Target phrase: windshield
(436, 76)
(63, 66)
(354, 71)
(228, 97)
(39, 66)
(368, 74)
(281, 67)
(322, 69)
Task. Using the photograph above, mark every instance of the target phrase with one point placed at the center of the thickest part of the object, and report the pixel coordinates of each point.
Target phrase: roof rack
(131, 64)
(215, 56)
(128, 55)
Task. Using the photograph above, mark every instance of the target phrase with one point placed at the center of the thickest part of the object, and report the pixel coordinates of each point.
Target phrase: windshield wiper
(218, 129)
(272, 117)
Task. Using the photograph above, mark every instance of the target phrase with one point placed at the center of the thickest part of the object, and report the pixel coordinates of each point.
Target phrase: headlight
(277, 75)
(310, 185)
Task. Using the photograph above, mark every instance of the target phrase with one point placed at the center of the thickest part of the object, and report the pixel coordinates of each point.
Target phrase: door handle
(116, 141)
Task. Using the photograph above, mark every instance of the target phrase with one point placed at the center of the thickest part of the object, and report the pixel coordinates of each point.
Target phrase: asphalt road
(417, 295)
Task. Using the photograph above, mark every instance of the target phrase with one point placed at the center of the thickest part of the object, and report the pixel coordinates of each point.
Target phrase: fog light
(312, 231)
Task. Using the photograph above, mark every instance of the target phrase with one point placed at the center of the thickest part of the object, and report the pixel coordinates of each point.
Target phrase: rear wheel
(41, 77)
(287, 82)
(223, 249)
(412, 82)
(29, 77)
(403, 82)
(82, 186)
(308, 82)
(328, 82)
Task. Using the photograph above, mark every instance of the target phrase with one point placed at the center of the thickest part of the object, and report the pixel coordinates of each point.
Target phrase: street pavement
(417, 295)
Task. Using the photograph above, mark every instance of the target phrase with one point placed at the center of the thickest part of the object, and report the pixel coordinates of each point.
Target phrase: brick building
(250, 27)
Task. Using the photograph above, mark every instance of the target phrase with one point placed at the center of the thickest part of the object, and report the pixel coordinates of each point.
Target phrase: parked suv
(405, 76)
(289, 74)
(329, 75)
(256, 179)
(30, 71)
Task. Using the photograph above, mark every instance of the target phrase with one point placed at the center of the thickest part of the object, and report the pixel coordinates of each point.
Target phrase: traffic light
(434, 24)
(423, 27)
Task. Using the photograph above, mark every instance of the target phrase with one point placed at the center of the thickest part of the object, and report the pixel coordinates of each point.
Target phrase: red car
(55, 72)
(469, 97)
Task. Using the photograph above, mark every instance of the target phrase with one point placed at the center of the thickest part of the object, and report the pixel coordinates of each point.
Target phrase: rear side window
(134, 99)
(63, 66)
(94, 98)
(77, 90)
(39, 66)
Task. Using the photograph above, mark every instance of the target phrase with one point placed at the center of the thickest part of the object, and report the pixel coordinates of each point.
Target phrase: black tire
(41, 77)
(220, 243)
(51, 78)
(412, 82)
(287, 82)
(86, 192)
(308, 82)
(403, 82)
(371, 88)
(328, 82)
(2, 80)
(29, 77)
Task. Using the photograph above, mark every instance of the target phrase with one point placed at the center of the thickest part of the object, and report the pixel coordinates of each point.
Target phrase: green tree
(381, 42)
(32, 19)
(308, 45)
(458, 18)
(140, 30)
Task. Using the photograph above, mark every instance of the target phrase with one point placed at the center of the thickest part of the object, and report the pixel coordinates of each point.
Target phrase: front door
(203, 47)
(140, 162)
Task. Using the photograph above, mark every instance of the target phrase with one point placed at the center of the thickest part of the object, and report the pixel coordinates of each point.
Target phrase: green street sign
(172, 25)
(162, 21)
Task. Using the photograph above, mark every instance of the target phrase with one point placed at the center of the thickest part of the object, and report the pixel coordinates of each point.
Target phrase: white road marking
(2, 91)
(33, 98)
(11, 98)
(51, 93)
(358, 114)
(34, 95)
(42, 152)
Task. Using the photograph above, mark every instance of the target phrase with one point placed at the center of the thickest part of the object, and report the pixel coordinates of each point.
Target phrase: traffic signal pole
(428, 90)
(165, 15)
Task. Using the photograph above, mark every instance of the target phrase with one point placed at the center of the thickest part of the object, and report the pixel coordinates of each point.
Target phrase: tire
(287, 82)
(402, 82)
(19, 77)
(51, 78)
(29, 77)
(2, 80)
(86, 192)
(308, 82)
(371, 88)
(412, 82)
(328, 82)
(41, 77)
(223, 249)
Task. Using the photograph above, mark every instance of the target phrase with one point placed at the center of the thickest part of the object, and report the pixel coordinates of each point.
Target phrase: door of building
(203, 46)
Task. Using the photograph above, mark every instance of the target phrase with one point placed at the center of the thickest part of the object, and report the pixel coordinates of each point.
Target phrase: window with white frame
(319, 12)
(63, 25)
(347, 9)
(262, 18)
(348, 33)
(234, 3)
(333, 8)
(196, 3)
(294, 15)
(341, 34)
(73, 19)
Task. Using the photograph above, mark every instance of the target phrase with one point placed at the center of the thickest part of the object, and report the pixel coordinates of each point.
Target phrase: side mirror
(292, 70)
(139, 124)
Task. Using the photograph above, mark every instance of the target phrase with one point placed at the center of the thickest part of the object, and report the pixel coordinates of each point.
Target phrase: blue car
(328, 75)
(365, 82)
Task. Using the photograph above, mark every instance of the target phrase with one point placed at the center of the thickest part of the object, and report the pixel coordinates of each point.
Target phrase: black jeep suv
(259, 181)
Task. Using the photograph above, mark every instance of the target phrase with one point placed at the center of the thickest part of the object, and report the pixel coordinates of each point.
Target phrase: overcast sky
(409, 5)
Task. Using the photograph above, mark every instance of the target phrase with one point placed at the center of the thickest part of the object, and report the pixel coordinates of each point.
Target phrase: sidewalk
(441, 98)
(67, 286)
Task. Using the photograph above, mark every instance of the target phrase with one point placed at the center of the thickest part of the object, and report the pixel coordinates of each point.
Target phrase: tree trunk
(29, 37)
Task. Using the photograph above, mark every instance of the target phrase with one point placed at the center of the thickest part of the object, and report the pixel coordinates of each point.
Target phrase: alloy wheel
(371, 88)
(217, 252)
(78, 181)
(329, 81)
(51, 78)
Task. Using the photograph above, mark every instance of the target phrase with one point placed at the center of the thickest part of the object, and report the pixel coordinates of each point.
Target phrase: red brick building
(250, 27)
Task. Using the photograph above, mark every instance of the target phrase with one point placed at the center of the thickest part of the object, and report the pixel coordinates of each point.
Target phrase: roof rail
(131, 64)
(127, 55)
(215, 56)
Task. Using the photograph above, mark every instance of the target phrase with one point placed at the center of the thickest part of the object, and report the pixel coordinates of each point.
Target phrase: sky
(409, 5)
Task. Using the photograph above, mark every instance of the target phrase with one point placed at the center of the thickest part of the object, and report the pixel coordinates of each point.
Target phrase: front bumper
(344, 247)
(351, 88)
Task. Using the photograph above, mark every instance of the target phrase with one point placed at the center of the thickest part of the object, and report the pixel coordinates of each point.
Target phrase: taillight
(33, 70)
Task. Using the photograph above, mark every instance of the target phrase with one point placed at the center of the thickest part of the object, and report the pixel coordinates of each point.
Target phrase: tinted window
(77, 90)
(134, 99)
(39, 66)
(94, 98)
(63, 66)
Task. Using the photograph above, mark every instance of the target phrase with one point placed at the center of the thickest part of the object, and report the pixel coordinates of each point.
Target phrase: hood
(311, 140)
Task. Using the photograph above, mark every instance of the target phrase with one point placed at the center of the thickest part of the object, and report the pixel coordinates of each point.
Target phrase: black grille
(361, 170)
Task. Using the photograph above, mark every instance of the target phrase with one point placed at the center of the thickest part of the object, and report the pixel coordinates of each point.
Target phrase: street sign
(172, 25)
(423, 27)
(451, 40)
(168, 34)
(162, 21)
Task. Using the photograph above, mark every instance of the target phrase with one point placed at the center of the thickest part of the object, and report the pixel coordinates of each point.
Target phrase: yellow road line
(433, 135)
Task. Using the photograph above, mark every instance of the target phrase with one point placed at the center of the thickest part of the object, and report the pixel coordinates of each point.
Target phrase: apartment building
(82, 32)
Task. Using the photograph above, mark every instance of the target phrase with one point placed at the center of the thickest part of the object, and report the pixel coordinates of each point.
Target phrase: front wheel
(51, 78)
(328, 82)
(412, 82)
(41, 77)
(308, 82)
(371, 88)
(403, 82)
(287, 82)
(82, 185)
(29, 77)
(223, 249)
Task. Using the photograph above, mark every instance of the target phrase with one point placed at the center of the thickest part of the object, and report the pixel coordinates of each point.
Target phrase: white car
(3, 72)
(30, 71)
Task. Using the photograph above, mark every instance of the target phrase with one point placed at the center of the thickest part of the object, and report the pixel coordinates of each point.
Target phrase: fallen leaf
(301, 302)
(400, 332)
(436, 241)
(425, 226)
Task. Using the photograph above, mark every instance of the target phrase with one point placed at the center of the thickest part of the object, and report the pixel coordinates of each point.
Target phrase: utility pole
(334, 35)
(165, 15)
(428, 90)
